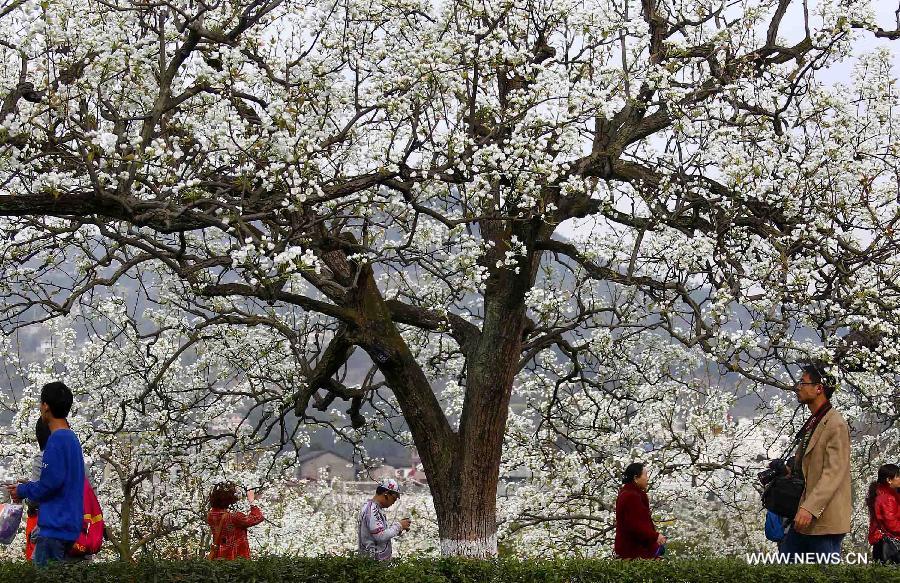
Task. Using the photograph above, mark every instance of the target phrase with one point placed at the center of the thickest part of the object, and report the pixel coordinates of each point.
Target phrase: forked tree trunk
(462, 466)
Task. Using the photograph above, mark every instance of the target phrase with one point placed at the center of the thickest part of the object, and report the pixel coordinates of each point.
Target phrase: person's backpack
(91, 538)
(774, 527)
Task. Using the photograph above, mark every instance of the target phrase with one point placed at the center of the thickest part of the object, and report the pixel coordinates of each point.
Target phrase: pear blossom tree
(154, 471)
(386, 181)
(157, 435)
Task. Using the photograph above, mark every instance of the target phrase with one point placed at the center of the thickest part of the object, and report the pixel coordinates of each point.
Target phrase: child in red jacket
(636, 535)
(884, 508)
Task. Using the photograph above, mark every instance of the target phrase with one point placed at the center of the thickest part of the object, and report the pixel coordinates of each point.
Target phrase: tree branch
(309, 304)
(463, 331)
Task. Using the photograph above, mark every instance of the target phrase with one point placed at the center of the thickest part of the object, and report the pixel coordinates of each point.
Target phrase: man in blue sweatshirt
(60, 489)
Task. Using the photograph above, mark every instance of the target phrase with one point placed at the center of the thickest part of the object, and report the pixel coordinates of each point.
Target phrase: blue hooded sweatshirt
(60, 489)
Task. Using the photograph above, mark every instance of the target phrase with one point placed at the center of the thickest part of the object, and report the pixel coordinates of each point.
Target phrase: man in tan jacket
(823, 456)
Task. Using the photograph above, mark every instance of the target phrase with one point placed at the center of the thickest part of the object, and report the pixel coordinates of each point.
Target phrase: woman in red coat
(884, 508)
(636, 536)
(229, 529)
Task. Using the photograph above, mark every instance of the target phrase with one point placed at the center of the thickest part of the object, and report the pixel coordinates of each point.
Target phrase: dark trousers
(48, 549)
(878, 552)
(818, 547)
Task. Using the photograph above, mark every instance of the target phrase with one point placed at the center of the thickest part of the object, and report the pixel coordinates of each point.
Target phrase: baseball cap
(391, 485)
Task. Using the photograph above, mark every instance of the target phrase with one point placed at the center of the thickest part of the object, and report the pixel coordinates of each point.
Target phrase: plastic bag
(10, 518)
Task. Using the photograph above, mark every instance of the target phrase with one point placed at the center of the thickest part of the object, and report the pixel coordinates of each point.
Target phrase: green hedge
(353, 570)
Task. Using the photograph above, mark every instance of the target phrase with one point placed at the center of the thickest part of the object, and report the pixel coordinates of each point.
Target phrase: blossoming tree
(156, 434)
(391, 176)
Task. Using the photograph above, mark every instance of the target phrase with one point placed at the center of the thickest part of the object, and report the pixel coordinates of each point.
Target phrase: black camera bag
(782, 495)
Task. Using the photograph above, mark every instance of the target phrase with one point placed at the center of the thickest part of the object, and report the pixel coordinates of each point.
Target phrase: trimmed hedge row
(355, 570)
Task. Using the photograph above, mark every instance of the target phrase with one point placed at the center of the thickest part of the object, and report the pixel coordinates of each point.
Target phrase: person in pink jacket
(883, 501)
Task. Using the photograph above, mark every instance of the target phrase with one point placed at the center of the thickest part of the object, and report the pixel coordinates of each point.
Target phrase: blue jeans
(818, 548)
(48, 549)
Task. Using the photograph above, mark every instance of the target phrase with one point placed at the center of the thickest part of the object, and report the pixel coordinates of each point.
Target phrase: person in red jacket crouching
(636, 536)
(883, 501)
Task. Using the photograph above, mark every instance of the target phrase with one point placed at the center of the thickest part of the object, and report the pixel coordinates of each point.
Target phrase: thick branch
(604, 273)
(463, 331)
(160, 216)
(877, 31)
(333, 358)
(309, 304)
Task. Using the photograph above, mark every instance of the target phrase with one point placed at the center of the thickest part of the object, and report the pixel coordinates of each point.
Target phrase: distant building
(416, 472)
(382, 472)
(318, 464)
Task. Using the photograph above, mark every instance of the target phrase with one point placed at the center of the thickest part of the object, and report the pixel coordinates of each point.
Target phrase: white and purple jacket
(374, 533)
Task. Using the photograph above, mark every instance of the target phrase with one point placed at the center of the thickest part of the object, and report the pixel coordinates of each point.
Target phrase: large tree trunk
(469, 529)
(467, 504)
(463, 466)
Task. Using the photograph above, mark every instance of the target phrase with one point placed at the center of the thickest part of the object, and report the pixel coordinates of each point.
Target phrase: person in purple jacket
(60, 489)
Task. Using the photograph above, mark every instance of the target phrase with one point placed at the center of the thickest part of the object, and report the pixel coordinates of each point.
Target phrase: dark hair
(820, 376)
(885, 473)
(382, 490)
(41, 433)
(58, 397)
(632, 472)
(223, 495)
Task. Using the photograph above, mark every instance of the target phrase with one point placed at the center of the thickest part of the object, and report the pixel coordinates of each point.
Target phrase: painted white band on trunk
(478, 549)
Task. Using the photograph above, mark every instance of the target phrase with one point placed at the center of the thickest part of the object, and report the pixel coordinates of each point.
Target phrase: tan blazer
(826, 469)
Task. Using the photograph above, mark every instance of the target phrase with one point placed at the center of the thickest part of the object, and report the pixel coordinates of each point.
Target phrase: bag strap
(788, 452)
(803, 437)
(790, 448)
